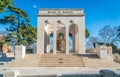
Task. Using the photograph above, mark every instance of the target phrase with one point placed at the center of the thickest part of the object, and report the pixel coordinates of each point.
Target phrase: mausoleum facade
(61, 31)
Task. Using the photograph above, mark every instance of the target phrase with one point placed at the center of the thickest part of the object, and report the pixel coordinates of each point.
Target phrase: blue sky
(98, 12)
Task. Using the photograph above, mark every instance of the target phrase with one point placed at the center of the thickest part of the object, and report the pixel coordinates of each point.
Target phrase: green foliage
(4, 4)
(8, 19)
(118, 30)
(28, 33)
(19, 12)
(87, 33)
(26, 36)
(1, 43)
(17, 18)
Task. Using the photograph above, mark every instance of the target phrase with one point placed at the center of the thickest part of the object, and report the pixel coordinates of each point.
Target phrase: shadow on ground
(3, 59)
(87, 55)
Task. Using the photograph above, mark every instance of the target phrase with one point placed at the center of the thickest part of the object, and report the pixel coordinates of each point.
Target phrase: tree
(27, 33)
(87, 33)
(118, 30)
(4, 4)
(15, 18)
(19, 31)
(21, 17)
(108, 34)
(91, 41)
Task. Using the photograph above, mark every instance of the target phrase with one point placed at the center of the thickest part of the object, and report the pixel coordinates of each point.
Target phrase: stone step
(47, 60)
(61, 66)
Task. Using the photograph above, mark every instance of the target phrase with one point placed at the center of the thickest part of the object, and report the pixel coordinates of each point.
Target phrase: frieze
(60, 11)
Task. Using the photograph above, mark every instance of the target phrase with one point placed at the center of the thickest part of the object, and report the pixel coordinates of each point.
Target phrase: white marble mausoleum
(56, 27)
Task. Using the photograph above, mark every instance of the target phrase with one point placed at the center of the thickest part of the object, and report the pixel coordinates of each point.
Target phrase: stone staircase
(30, 60)
(47, 60)
(60, 60)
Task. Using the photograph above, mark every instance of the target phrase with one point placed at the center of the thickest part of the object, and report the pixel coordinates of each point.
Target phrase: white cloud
(34, 6)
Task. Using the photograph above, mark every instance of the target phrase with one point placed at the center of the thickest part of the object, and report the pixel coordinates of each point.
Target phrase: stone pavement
(58, 70)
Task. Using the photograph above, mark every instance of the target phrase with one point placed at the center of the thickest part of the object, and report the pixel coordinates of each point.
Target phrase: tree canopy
(4, 4)
(20, 31)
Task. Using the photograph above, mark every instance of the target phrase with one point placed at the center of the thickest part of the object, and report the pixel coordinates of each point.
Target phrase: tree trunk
(18, 30)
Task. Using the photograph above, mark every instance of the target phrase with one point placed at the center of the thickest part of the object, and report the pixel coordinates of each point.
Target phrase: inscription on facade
(60, 11)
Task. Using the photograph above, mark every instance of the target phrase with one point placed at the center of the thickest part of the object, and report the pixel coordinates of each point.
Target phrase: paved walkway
(58, 70)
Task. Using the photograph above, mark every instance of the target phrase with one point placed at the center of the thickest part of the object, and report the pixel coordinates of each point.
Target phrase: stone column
(67, 40)
(81, 35)
(48, 43)
(76, 43)
(54, 40)
(40, 37)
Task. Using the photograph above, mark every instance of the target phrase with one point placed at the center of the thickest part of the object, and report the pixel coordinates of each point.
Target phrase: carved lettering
(60, 11)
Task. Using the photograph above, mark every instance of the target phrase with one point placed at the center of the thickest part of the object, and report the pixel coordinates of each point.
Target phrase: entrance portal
(61, 43)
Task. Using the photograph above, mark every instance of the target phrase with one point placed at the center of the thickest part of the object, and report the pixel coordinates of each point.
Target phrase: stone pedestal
(10, 73)
(103, 52)
(109, 50)
(19, 52)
